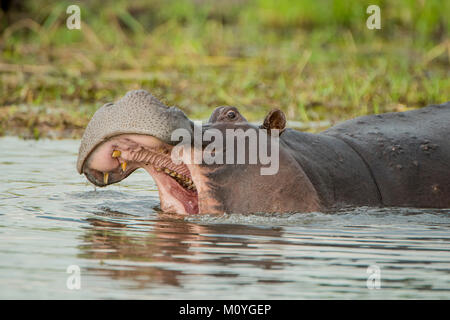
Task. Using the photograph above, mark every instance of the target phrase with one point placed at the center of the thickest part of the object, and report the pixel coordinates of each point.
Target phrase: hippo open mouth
(119, 156)
(133, 133)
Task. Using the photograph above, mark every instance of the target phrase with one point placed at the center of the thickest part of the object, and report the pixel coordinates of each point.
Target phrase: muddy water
(51, 218)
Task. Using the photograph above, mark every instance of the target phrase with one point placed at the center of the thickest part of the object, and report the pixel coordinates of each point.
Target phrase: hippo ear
(275, 119)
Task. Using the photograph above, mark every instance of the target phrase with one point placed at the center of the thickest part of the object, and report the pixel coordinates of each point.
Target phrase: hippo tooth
(116, 154)
(173, 174)
(105, 177)
(166, 170)
(158, 169)
(124, 166)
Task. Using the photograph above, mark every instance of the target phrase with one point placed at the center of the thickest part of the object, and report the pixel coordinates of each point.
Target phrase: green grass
(316, 60)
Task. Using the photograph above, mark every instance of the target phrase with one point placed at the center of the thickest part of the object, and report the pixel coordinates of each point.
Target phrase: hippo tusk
(105, 177)
(116, 154)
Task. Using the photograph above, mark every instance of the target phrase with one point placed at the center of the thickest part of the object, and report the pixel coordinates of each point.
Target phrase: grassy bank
(316, 60)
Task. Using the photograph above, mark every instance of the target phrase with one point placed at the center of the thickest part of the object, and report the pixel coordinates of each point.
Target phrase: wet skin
(394, 159)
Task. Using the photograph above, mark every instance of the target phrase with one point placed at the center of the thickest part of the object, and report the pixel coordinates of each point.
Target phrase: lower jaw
(173, 197)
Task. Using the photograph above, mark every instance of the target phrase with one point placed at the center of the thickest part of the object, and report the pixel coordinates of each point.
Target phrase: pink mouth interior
(176, 187)
(174, 196)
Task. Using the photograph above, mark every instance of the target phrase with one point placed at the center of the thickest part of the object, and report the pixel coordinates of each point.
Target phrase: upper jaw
(123, 154)
(138, 112)
(115, 159)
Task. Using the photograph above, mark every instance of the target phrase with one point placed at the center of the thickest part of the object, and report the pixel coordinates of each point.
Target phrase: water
(51, 218)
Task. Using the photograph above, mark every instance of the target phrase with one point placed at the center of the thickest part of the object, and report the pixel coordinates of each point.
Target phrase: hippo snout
(138, 112)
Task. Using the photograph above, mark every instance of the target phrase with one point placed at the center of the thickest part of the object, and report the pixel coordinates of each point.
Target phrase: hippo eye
(231, 114)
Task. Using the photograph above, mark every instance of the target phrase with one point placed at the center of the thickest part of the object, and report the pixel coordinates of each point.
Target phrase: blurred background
(315, 60)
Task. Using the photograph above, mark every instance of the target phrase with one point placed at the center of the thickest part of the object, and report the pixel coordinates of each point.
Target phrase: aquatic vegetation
(315, 60)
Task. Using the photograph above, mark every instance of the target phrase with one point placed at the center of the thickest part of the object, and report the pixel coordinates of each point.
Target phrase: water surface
(51, 218)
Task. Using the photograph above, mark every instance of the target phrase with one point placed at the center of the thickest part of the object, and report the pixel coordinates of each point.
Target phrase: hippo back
(408, 154)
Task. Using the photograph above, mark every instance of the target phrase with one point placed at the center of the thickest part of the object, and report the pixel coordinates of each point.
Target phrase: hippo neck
(339, 175)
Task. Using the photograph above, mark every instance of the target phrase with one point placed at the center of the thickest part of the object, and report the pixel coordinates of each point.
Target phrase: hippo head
(138, 132)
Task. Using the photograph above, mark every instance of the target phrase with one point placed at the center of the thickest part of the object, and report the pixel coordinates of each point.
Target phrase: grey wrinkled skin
(138, 112)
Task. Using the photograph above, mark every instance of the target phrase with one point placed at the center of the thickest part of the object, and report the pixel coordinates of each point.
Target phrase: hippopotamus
(399, 159)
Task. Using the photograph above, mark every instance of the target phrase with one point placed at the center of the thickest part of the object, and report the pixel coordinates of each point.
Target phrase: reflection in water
(171, 240)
